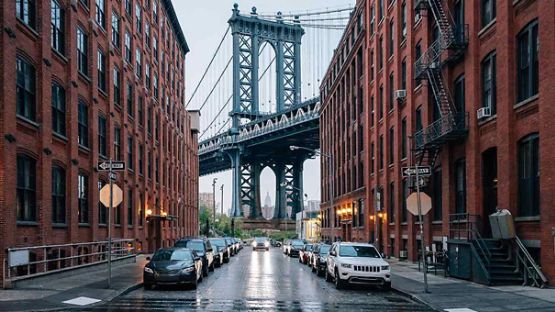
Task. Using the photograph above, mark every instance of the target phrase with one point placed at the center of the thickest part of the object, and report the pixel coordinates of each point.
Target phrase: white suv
(357, 263)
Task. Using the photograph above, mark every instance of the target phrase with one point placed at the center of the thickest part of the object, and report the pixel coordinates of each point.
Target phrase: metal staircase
(448, 48)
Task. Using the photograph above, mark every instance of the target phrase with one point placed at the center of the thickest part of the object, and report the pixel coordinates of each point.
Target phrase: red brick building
(501, 84)
(81, 82)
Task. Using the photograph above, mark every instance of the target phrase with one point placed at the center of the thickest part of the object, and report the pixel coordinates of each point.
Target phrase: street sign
(115, 166)
(425, 202)
(117, 195)
(113, 176)
(422, 171)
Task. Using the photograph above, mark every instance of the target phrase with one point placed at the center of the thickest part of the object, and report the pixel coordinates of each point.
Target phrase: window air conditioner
(484, 112)
(400, 95)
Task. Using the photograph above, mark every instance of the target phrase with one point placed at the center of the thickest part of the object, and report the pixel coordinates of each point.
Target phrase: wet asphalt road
(262, 281)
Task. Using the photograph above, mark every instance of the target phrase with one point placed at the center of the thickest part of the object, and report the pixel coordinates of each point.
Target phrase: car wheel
(300, 260)
(147, 286)
(313, 268)
(386, 286)
(328, 276)
(201, 278)
(338, 282)
(211, 268)
(195, 284)
(204, 270)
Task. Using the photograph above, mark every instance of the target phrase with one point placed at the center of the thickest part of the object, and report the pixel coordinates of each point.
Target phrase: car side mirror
(147, 258)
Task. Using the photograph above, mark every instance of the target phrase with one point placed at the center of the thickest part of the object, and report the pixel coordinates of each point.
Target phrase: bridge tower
(249, 33)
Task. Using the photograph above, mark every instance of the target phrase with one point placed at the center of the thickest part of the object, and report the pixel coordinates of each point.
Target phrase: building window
(117, 143)
(404, 74)
(372, 111)
(140, 110)
(147, 76)
(130, 152)
(489, 88)
(102, 210)
(391, 92)
(527, 73)
(437, 195)
(58, 109)
(460, 186)
(130, 106)
(116, 32)
(391, 145)
(155, 48)
(404, 21)
(380, 103)
(418, 115)
(130, 207)
(141, 211)
(26, 189)
(371, 65)
(529, 176)
(380, 54)
(100, 16)
(117, 87)
(129, 7)
(138, 17)
(391, 38)
(392, 202)
(141, 159)
(459, 97)
(404, 138)
(102, 136)
(404, 202)
(58, 195)
(128, 47)
(138, 67)
(82, 197)
(380, 9)
(57, 19)
(25, 89)
(149, 120)
(487, 11)
(458, 17)
(149, 165)
(83, 125)
(26, 11)
(380, 152)
(155, 10)
(101, 71)
(82, 52)
(147, 35)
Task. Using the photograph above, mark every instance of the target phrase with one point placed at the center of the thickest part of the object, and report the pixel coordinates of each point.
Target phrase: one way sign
(422, 171)
(115, 166)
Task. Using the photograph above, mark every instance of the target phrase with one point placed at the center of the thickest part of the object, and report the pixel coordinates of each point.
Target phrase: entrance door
(154, 237)
(489, 183)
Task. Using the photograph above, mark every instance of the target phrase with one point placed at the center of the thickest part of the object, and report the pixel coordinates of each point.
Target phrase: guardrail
(26, 262)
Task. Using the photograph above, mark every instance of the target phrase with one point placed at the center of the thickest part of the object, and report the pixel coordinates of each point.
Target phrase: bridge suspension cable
(321, 12)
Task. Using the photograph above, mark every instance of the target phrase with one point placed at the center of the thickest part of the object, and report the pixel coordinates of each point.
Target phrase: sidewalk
(454, 295)
(50, 295)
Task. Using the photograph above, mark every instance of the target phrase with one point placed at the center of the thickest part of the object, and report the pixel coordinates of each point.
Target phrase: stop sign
(117, 195)
(425, 203)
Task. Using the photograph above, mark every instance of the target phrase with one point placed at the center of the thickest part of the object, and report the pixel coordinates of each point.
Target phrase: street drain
(396, 300)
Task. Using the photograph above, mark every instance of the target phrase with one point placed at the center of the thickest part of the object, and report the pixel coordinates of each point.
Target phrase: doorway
(489, 183)
(154, 234)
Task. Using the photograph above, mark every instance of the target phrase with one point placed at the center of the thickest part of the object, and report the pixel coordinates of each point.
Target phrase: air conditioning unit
(484, 112)
(400, 95)
(403, 254)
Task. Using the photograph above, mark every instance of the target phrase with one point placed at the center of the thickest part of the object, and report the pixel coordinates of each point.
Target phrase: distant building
(268, 208)
(312, 205)
(206, 200)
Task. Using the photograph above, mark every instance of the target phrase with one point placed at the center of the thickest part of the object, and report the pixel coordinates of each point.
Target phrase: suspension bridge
(257, 99)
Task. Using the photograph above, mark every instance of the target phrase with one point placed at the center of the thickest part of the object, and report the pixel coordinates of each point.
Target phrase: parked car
(319, 258)
(357, 263)
(239, 243)
(221, 251)
(204, 250)
(304, 253)
(295, 248)
(275, 243)
(286, 246)
(260, 243)
(170, 266)
(231, 245)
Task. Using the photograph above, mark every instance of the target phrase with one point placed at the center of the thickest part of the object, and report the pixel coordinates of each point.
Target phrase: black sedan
(172, 266)
(221, 250)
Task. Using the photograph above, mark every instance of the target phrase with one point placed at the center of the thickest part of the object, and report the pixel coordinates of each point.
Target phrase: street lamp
(329, 157)
(214, 199)
(222, 188)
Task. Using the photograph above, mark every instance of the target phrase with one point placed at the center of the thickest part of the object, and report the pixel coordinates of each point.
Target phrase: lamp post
(214, 199)
(329, 157)
(222, 189)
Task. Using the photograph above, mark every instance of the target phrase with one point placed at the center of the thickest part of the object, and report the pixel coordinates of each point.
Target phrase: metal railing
(462, 225)
(532, 272)
(26, 262)
(455, 124)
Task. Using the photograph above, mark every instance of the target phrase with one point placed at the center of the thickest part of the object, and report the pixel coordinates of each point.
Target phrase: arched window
(26, 189)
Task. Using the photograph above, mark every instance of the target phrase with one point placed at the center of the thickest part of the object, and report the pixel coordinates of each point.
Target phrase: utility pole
(110, 227)
(222, 188)
(214, 200)
(421, 221)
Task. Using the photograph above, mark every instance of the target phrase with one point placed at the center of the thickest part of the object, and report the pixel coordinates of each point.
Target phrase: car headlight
(346, 265)
(385, 267)
(322, 259)
(266, 244)
(253, 244)
(149, 270)
(187, 270)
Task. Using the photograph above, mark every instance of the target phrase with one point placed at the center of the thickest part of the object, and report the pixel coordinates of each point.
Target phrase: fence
(26, 262)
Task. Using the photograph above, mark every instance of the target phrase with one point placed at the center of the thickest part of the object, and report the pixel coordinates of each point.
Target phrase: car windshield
(308, 247)
(172, 255)
(195, 245)
(358, 251)
(297, 243)
(324, 250)
(260, 239)
(218, 242)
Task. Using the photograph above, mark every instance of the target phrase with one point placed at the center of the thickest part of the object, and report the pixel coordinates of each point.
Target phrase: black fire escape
(451, 124)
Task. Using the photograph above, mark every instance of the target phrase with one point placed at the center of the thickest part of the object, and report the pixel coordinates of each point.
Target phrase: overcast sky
(204, 23)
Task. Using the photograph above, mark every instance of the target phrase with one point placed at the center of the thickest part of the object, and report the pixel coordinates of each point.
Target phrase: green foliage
(283, 235)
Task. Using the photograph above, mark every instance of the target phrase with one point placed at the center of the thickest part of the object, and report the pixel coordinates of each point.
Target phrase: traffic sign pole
(420, 219)
(110, 228)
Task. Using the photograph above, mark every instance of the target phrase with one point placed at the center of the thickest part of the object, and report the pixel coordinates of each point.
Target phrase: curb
(415, 298)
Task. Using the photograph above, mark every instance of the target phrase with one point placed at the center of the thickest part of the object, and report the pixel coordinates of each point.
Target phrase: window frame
(58, 195)
(57, 23)
(58, 101)
(82, 52)
(529, 176)
(489, 86)
(26, 189)
(527, 71)
(26, 89)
